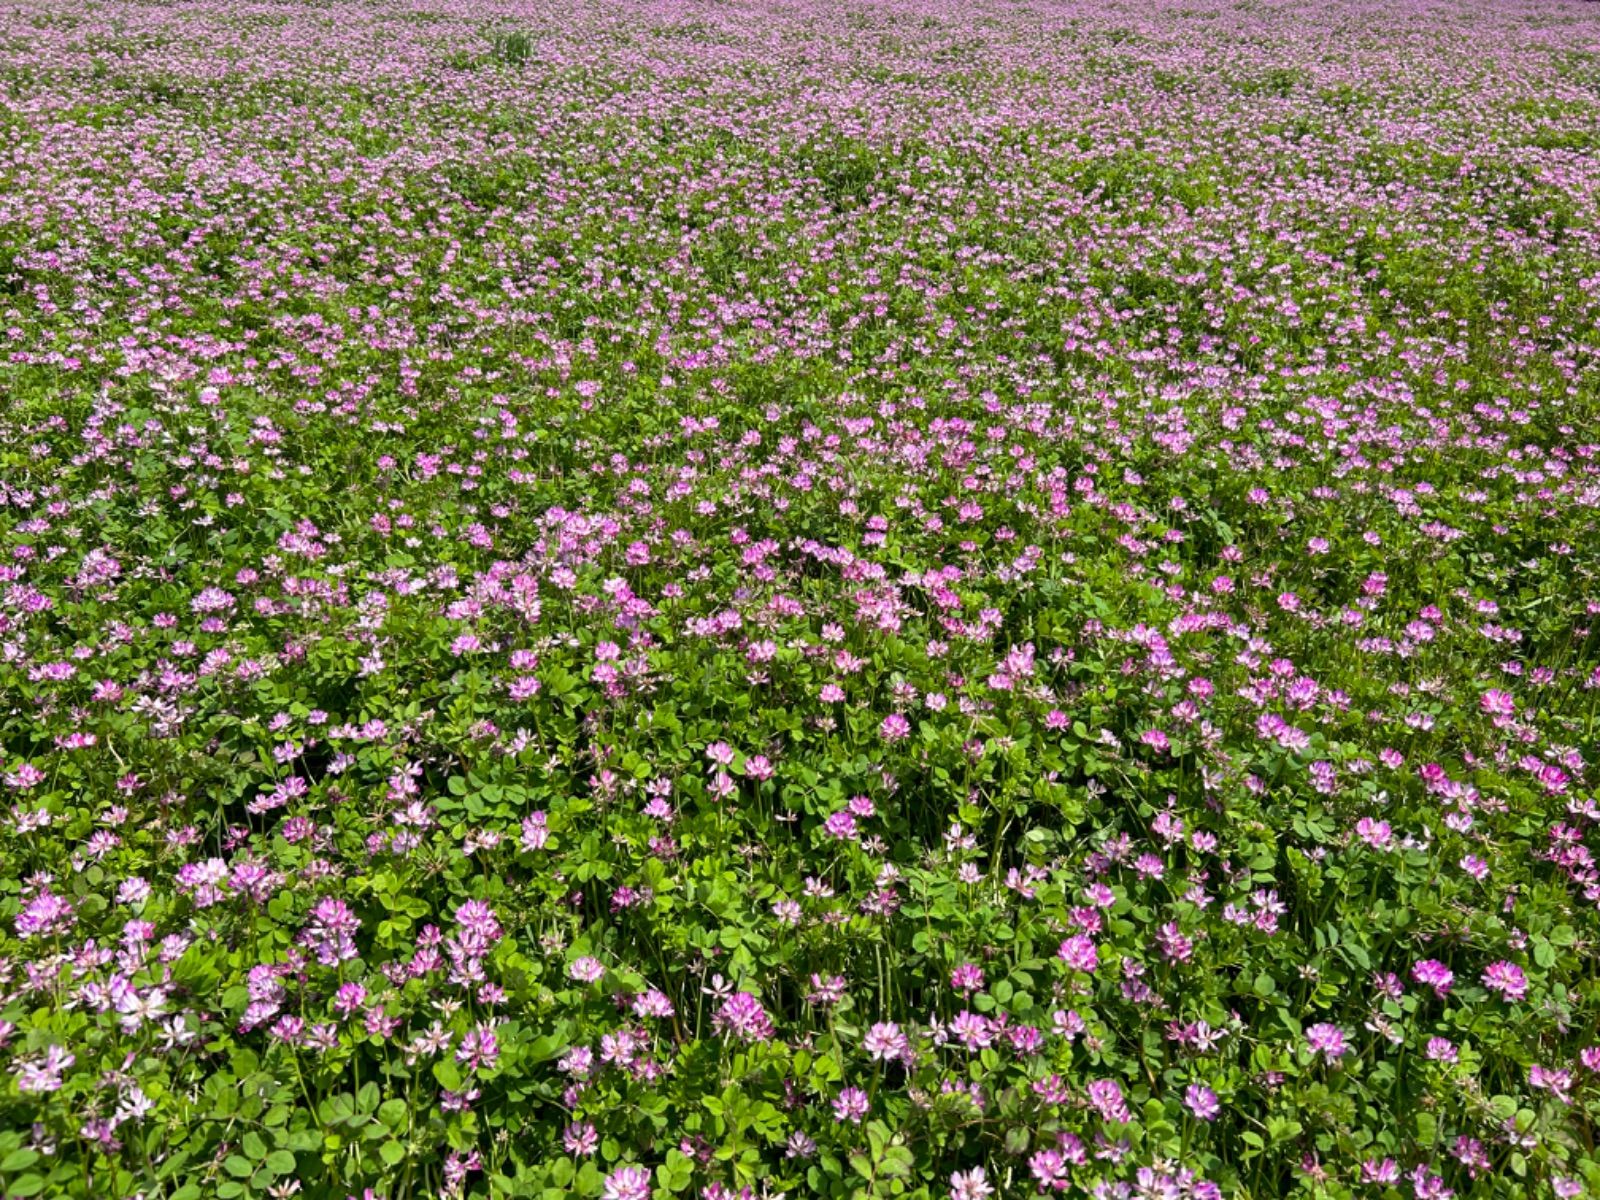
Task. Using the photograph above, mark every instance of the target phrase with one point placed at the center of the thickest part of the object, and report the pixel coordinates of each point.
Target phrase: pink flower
(1202, 1102)
(535, 832)
(628, 1183)
(1497, 703)
(1049, 1170)
(967, 978)
(1507, 979)
(1328, 1041)
(43, 915)
(1376, 834)
(885, 1041)
(580, 1138)
(742, 1017)
(841, 825)
(971, 1185)
(851, 1105)
(1105, 1097)
(1380, 1171)
(1079, 953)
(1432, 973)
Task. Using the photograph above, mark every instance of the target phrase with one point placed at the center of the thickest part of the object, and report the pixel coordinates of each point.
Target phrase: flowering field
(647, 598)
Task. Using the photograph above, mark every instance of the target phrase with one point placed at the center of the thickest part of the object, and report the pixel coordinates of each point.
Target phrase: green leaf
(1281, 1129)
(447, 1074)
(589, 1180)
(897, 1162)
(281, 1162)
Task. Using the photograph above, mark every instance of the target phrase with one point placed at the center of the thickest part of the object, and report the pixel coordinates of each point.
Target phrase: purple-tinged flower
(1202, 1102)
(1105, 1097)
(841, 825)
(1431, 973)
(1328, 1041)
(44, 1074)
(1555, 1080)
(1049, 1170)
(1441, 1049)
(627, 1183)
(580, 1138)
(1375, 833)
(742, 1017)
(1428, 1186)
(1498, 703)
(885, 1041)
(44, 915)
(851, 1105)
(1079, 953)
(970, 1185)
(535, 832)
(1507, 979)
(967, 978)
(480, 1048)
(331, 931)
(1375, 1170)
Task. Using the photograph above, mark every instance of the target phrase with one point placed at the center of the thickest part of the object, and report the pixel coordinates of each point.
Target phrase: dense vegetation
(663, 597)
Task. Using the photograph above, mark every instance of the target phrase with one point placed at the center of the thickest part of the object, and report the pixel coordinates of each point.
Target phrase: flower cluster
(683, 598)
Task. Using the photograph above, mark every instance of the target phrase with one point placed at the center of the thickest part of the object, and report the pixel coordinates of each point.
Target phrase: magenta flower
(742, 1017)
(1105, 1097)
(1441, 1050)
(331, 931)
(627, 1183)
(970, 1185)
(1432, 973)
(841, 825)
(1328, 1041)
(851, 1105)
(1079, 953)
(1507, 979)
(43, 915)
(967, 978)
(1498, 703)
(885, 1041)
(1049, 1170)
(535, 832)
(1202, 1102)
